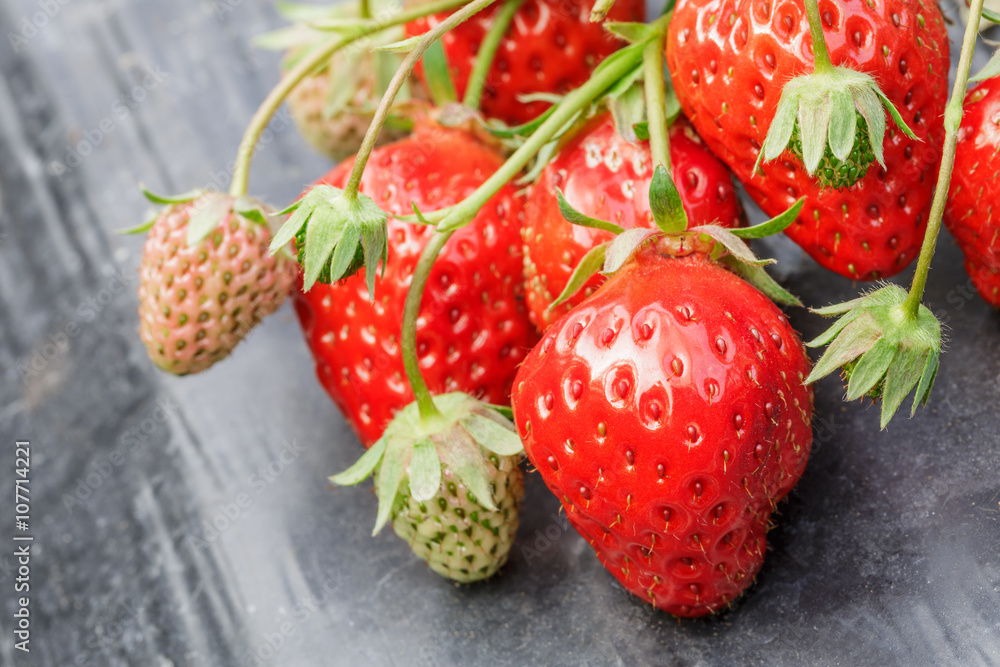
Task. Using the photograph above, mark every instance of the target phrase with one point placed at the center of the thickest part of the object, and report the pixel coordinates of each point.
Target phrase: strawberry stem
(610, 71)
(398, 80)
(487, 52)
(656, 100)
(821, 55)
(952, 123)
(411, 311)
(304, 68)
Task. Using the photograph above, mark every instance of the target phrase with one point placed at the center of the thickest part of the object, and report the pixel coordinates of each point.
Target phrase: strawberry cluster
(538, 250)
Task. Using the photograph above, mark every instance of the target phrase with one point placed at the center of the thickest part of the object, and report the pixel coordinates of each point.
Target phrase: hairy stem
(656, 100)
(304, 68)
(487, 51)
(402, 74)
(460, 214)
(411, 311)
(820, 52)
(952, 123)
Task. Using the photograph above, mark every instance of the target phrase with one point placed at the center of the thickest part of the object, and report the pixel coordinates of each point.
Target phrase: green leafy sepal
(884, 350)
(336, 236)
(674, 238)
(407, 460)
(834, 122)
(209, 209)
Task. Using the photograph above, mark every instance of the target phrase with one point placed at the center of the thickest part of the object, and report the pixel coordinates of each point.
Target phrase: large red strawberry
(728, 60)
(472, 332)
(973, 213)
(605, 176)
(668, 414)
(550, 47)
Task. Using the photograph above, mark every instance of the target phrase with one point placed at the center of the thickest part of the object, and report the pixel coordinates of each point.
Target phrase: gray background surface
(886, 553)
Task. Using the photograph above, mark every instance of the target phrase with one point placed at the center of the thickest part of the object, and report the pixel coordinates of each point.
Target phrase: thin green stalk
(656, 100)
(366, 9)
(398, 80)
(411, 311)
(952, 123)
(820, 52)
(304, 68)
(460, 214)
(487, 51)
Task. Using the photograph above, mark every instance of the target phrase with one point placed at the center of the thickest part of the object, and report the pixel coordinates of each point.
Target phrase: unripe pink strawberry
(333, 108)
(206, 279)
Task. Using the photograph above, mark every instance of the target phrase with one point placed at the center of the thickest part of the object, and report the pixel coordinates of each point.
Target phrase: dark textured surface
(887, 552)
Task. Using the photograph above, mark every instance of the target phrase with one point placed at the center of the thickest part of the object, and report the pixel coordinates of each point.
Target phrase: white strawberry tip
(885, 350)
(834, 121)
(451, 463)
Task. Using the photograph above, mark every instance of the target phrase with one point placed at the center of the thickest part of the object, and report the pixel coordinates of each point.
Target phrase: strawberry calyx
(892, 336)
(336, 236)
(451, 485)
(209, 209)
(409, 456)
(833, 121)
(672, 237)
(884, 350)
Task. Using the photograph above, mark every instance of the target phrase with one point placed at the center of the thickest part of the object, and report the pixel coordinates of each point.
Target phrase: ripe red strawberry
(550, 47)
(973, 213)
(667, 412)
(728, 60)
(607, 177)
(473, 331)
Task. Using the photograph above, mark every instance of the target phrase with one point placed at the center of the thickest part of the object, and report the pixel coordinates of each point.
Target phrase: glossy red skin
(866, 232)
(973, 213)
(600, 407)
(606, 177)
(550, 47)
(473, 330)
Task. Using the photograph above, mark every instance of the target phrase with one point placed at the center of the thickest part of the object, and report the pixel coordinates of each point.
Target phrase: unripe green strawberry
(450, 483)
(197, 300)
(457, 536)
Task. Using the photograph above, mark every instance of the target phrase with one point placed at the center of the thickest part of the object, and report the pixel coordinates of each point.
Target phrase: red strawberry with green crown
(550, 46)
(669, 412)
(473, 331)
(973, 213)
(729, 60)
(603, 175)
